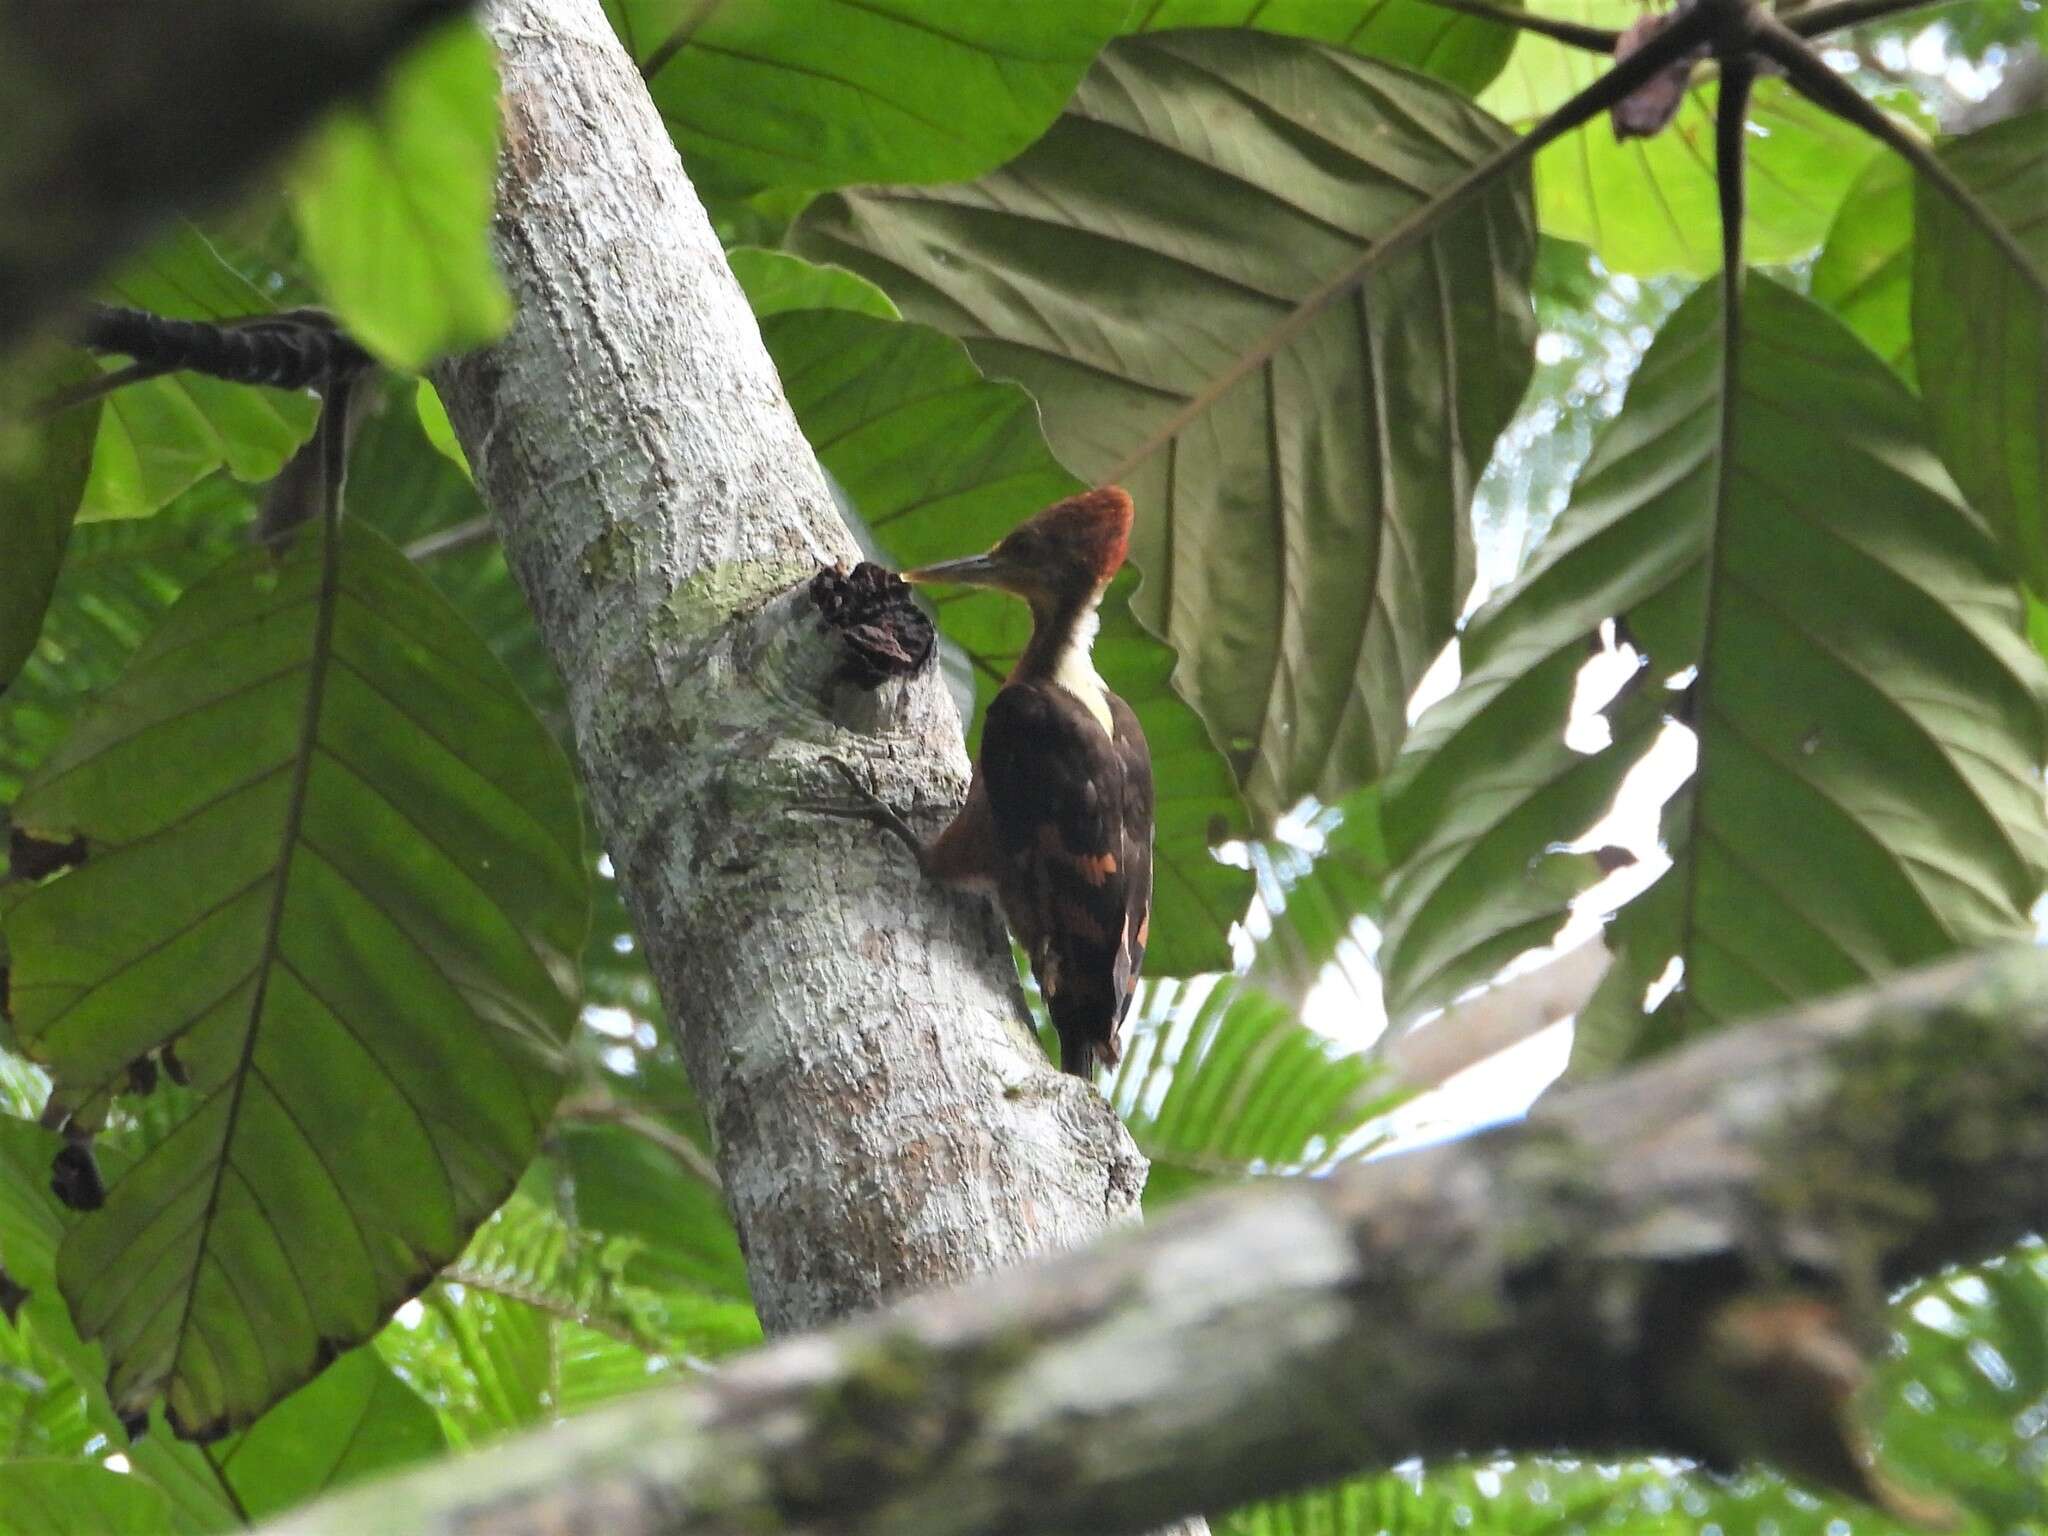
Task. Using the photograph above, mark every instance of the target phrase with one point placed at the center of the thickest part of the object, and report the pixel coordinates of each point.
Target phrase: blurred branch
(1614, 1274)
(112, 127)
(603, 1109)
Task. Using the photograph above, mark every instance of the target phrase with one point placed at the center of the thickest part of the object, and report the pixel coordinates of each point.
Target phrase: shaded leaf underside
(1868, 714)
(335, 865)
(1303, 538)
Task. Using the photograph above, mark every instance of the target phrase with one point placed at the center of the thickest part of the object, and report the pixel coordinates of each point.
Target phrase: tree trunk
(884, 1118)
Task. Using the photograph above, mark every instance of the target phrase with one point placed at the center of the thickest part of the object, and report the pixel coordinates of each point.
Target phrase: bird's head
(1069, 551)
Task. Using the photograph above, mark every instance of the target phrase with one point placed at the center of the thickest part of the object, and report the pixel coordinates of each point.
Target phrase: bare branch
(1835, 15)
(1596, 1278)
(1600, 40)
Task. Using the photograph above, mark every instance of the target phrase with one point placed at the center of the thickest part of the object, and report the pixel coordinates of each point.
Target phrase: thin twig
(1600, 40)
(1822, 86)
(1639, 68)
(445, 541)
(602, 1108)
(1834, 15)
(679, 39)
(95, 389)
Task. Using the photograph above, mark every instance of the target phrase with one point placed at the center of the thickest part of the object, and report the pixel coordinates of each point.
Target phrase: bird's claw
(876, 809)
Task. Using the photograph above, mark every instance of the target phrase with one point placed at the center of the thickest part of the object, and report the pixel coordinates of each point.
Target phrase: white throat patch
(1074, 670)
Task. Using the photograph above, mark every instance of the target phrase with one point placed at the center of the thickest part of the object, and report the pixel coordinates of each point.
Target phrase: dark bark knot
(882, 633)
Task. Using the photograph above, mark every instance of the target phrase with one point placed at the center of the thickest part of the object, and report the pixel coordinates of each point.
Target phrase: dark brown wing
(1056, 792)
(1136, 758)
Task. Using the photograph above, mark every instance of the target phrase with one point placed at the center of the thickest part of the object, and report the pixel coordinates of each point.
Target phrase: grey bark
(884, 1119)
(1617, 1273)
(107, 129)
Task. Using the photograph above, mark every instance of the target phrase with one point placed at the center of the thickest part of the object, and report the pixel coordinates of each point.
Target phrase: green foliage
(856, 90)
(1865, 271)
(940, 461)
(379, 902)
(290, 770)
(1980, 333)
(776, 281)
(1867, 790)
(1303, 535)
(1459, 50)
(1225, 1081)
(69, 1498)
(393, 203)
(43, 469)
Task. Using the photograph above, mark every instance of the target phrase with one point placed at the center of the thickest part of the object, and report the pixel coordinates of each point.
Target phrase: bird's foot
(872, 809)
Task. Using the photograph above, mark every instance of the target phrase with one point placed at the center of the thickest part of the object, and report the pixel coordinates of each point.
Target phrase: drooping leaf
(356, 1421)
(358, 931)
(1865, 271)
(1303, 534)
(776, 281)
(394, 202)
(940, 462)
(1227, 1080)
(323, 1436)
(42, 475)
(75, 1498)
(1868, 713)
(1463, 51)
(1980, 333)
(160, 437)
(1648, 206)
(759, 93)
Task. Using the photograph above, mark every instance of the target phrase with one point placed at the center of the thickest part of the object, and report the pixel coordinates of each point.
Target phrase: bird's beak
(974, 571)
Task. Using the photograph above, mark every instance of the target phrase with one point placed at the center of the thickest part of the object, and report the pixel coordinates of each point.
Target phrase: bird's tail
(1081, 1054)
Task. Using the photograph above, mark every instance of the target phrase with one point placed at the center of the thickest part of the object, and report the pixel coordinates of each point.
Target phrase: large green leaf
(1303, 534)
(1227, 1080)
(358, 928)
(42, 475)
(1865, 271)
(1869, 716)
(940, 461)
(538, 1319)
(1650, 205)
(71, 1498)
(1463, 51)
(160, 437)
(394, 204)
(356, 1421)
(1980, 333)
(820, 93)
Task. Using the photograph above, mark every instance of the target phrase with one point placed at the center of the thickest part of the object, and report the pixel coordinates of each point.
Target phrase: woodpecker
(1058, 819)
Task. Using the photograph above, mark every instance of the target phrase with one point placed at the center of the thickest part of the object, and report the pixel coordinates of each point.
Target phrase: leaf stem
(1822, 86)
(1600, 40)
(1834, 15)
(1692, 28)
(678, 39)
